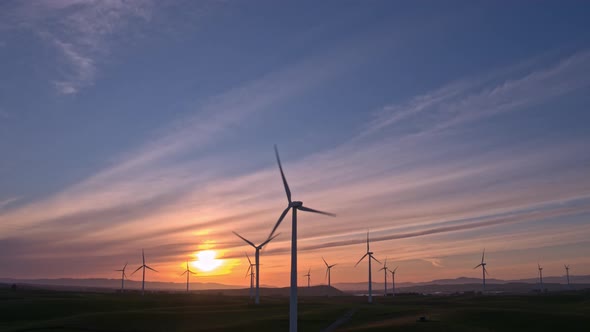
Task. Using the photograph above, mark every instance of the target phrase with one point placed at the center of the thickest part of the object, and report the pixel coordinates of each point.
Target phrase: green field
(39, 310)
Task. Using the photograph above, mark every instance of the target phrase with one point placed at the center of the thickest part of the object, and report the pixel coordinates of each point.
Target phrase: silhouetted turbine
(329, 274)
(123, 276)
(188, 272)
(393, 281)
(250, 272)
(370, 254)
(384, 268)
(308, 275)
(256, 261)
(483, 269)
(295, 205)
(567, 274)
(144, 267)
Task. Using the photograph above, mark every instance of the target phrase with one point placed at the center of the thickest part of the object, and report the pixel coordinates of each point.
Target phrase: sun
(206, 261)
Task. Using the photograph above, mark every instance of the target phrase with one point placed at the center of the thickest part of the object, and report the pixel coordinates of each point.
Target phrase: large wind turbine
(294, 205)
(256, 261)
(328, 274)
(483, 269)
(540, 275)
(308, 275)
(567, 274)
(144, 267)
(250, 272)
(370, 254)
(384, 268)
(393, 281)
(188, 272)
(123, 276)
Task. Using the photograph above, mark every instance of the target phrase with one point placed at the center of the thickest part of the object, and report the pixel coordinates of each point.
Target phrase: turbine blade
(249, 261)
(383, 268)
(243, 238)
(279, 221)
(303, 208)
(478, 265)
(287, 190)
(248, 271)
(326, 276)
(125, 266)
(367, 241)
(357, 263)
(193, 272)
(183, 273)
(394, 269)
(376, 259)
(136, 270)
(268, 240)
(483, 254)
(325, 262)
(143, 256)
(331, 266)
(151, 268)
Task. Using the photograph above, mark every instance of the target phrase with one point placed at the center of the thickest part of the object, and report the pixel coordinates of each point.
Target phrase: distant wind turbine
(393, 281)
(384, 268)
(567, 274)
(257, 249)
(540, 275)
(308, 275)
(188, 272)
(484, 271)
(123, 276)
(250, 272)
(370, 254)
(294, 205)
(328, 274)
(144, 267)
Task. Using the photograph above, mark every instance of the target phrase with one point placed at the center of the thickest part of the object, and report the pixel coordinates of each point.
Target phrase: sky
(441, 128)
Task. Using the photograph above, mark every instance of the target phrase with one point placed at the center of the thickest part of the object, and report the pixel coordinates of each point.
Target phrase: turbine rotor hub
(296, 204)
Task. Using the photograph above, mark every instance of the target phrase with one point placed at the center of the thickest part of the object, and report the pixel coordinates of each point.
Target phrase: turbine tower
(250, 272)
(328, 274)
(370, 254)
(143, 266)
(384, 268)
(308, 275)
(256, 261)
(567, 274)
(188, 272)
(123, 276)
(295, 206)
(393, 281)
(484, 271)
(540, 275)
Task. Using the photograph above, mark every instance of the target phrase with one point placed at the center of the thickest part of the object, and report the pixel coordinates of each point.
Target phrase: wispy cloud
(476, 98)
(82, 32)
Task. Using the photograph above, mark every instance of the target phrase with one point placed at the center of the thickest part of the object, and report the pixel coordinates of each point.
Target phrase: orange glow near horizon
(208, 264)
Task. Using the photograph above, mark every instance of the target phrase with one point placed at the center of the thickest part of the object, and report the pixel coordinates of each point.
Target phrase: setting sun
(206, 261)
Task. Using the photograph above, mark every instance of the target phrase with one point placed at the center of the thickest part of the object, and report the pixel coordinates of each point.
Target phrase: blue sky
(443, 128)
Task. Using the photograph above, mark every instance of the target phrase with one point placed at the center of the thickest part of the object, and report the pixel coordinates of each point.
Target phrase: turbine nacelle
(296, 204)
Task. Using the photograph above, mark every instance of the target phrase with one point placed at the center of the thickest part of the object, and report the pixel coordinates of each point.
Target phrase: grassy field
(38, 310)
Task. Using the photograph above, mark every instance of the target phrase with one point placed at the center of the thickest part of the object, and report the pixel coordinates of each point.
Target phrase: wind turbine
(308, 275)
(328, 274)
(540, 275)
(188, 272)
(256, 261)
(250, 272)
(144, 267)
(393, 281)
(295, 205)
(483, 269)
(384, 268)
(370, 254)
(567, 274)
(123, 276)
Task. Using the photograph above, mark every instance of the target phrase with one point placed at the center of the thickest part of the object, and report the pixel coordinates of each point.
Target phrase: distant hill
(116, 284)
(470, 284)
